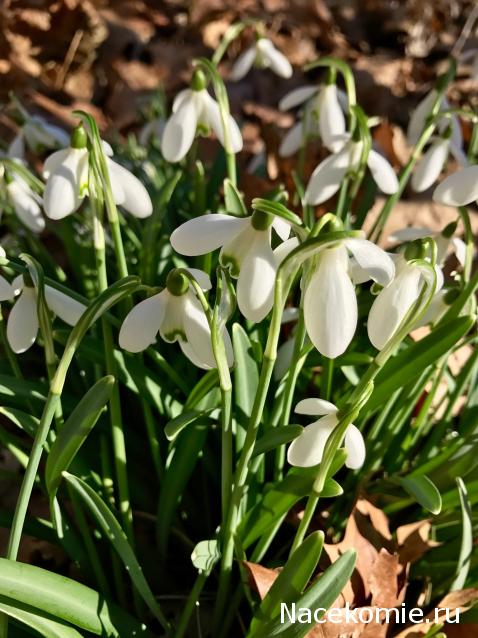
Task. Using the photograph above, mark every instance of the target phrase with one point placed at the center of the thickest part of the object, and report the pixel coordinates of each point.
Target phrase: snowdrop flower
(307, 449)
(431, 164)
(25, 202)
(177, 315)
(393, 302)
(327, 178)
(323, 115)
(22, 324)
(421, 113)
(262, 54)
(459, 189)
(444, 239)
(66, 172)
(194, 110)
(246, 249)
(37, 134)
(330, 304)
(152, 130)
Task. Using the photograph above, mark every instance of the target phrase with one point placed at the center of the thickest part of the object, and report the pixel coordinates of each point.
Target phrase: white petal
(327, 178)
(458, 189)
(282, 250)
(290, 314)
(435, 310)
(331, 117)
(459, 247)
(53, 161)
(26, 207)
(243, 64)
(213, 117)
(183, 96)
(430, 165)
(410, 234)
(7, 292)
(141, 324)
(307, 449)
(330, 305)
(459, 154)
(201, 277)
(372, 259)
(292, 140)
(274, 58)
(255, 285)
(180, 131)
(191, 355)
(204, 234)
(419, 116)
(136, 198)
(282, 227)
(65, 186)
(22, 325)
(198, 333)
(63, 306)
(382, 172)
(355, 447)
(297, 96)
(315, 407)
(172, 324)
(392, 304)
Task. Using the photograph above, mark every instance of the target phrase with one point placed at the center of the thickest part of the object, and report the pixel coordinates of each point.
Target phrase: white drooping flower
(37, 134)
(330, 304)
(22, 324)
(177, 315)
(25, 202)
(66, 172)
(393, 302)
(194, 110)
(308, 448)
(431, 164)
(152, 130)
(246, 249)
(262, 54)
(322, 115)
(421, 113)
(459, 189)
(327, 178)
(445, 241)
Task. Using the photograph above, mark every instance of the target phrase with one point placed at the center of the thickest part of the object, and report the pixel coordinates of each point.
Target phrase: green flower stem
(232, 33)
(469, 242)
(191, 603)
(426, 134)
(307, 516)
(298, 361)
(221, 94)
(326, 378)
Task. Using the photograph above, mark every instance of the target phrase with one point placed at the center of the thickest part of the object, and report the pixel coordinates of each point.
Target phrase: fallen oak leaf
(260, 578)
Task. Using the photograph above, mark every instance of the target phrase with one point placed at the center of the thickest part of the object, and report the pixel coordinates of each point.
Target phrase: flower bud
(79, 138)
(177, 283)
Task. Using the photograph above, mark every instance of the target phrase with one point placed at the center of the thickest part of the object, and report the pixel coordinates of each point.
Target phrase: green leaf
(423, 491)
(75, 432)
(18, 390)
(23, 420)
(205, 555)
(177, 425)
(291, 581)
(466, 549)
(410, 362)
(246, 380)
(65, 599)
(321, 594)
(283, 495)
(110, 526)
(46, 627)
(233, 199)
(275, 437)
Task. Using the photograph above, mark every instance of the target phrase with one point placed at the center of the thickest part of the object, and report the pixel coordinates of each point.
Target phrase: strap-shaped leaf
(423, 491)
(466, 549)
(65, 599)
(320, 595)
(46, 627)
(290, 583)
(75, 432)
(115, 534)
